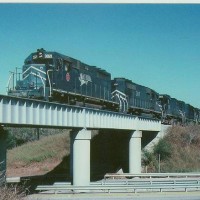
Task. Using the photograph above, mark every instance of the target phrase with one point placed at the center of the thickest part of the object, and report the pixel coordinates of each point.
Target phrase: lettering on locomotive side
(40, 55)
(84, 79)
(34, 56)
(48, 56)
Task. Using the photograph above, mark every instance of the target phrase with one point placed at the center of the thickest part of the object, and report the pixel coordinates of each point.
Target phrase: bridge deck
(16, 111)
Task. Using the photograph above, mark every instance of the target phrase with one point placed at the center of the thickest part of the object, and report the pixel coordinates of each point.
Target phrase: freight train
(52, 76)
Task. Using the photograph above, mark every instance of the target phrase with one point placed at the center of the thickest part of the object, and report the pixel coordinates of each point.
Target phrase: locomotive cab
(33, 80)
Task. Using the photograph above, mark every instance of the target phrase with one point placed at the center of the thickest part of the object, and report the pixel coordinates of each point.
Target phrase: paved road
(121, 196)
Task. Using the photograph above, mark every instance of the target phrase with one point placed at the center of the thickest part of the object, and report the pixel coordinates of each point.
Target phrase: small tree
(148, 159)
(163, 148)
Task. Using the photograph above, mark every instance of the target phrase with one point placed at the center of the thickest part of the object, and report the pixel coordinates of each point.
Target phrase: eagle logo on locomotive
(84, 79)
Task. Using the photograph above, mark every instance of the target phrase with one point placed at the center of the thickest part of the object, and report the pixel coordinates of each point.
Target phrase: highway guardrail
(151, 175)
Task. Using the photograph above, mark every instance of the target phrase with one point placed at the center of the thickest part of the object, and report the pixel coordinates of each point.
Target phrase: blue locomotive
(135, 98)
(52, 76)
(55, 77)
(176, 111)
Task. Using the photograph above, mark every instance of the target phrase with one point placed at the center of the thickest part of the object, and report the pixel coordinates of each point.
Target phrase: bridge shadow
(147, 137)
(109, 153)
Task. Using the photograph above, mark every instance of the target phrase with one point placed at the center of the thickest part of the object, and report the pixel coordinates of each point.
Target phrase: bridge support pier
(2, 156)
(80, 157)
(135, 152)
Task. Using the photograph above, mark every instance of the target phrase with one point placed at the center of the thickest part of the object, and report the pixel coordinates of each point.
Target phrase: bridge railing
(29, 112)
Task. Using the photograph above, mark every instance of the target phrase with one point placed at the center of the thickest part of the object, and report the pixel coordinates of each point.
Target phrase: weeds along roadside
(177, 151)
(12, 192)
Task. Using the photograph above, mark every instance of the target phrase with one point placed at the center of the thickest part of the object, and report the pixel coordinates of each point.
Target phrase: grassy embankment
(50, 149)
(179, 151)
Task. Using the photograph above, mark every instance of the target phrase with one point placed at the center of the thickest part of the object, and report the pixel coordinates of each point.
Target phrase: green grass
(56, 146)
(183, 143)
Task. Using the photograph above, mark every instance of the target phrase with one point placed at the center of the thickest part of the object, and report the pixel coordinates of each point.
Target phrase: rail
(152, 175)
(130, 185)
(138, 182)
(117, 188)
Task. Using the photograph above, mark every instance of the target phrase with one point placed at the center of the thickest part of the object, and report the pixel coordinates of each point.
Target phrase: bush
(179, 149)
(11, 141)
(148, 158)
(163, 148)
(149, 161)
(11, 193)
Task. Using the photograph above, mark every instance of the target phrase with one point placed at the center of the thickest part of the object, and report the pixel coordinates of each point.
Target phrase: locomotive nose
(33, 82)
(34, 76)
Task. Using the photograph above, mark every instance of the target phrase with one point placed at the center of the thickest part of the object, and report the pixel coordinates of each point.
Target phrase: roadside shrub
(11, 193)
(148, 158)
(149, 161)
(179, 149)
(11, 141)
(163, 148)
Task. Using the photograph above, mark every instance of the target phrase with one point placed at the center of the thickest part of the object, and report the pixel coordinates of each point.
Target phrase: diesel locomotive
(52, 76)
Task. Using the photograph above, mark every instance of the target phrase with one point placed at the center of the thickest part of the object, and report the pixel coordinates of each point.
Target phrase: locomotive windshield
(40, 57)
(42, 61)
(36, 60)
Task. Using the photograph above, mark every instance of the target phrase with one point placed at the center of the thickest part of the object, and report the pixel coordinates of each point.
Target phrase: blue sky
(156, 45)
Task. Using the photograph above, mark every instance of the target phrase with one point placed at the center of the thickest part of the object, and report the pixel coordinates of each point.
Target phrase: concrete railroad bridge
(19, 112)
